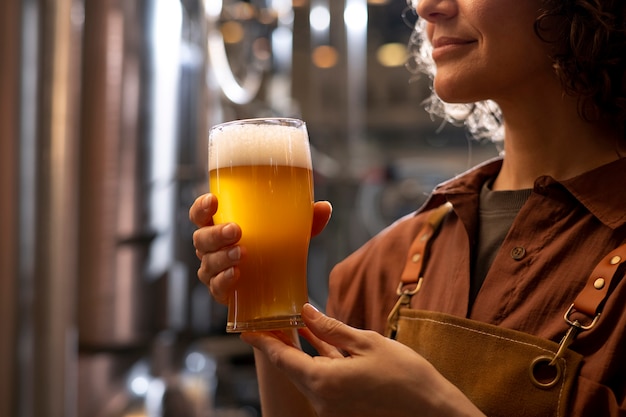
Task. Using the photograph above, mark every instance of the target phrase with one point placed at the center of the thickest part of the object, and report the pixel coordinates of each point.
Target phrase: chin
(456, 93)
(454, 97)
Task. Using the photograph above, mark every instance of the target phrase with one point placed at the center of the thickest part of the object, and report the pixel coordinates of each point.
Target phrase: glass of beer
(260, 170)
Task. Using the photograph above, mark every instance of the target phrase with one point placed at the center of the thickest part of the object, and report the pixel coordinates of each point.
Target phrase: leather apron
(503, 372)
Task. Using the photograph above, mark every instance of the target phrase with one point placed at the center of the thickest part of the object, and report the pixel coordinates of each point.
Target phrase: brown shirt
(554, 243)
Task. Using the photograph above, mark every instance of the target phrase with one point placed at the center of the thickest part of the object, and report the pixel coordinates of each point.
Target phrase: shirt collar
(601, 191)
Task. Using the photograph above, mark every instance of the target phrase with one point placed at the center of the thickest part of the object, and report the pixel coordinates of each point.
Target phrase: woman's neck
(552, 139)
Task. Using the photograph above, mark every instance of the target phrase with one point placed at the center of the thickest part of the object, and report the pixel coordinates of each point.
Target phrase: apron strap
(588, 302)
(412, 272)
(591, 298)
(417, 252)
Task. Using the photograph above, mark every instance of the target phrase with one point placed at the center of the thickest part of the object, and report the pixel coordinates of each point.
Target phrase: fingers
(281, 353)
(214, 238)
(221, 285)
(219, 267)
(322, 211)
(335, 333)
(323, 348)
(202, 210)
(216, 248)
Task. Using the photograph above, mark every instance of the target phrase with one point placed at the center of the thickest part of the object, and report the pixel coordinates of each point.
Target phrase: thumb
(332, 331)
(322, 210)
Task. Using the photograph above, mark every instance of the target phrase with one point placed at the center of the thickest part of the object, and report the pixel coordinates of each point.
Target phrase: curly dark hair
(590, 53)
(588, 38)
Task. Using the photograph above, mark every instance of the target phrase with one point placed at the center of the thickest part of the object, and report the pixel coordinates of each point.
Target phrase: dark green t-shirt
(497, 210)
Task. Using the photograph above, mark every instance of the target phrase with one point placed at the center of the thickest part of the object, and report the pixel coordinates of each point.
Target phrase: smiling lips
(445, 44)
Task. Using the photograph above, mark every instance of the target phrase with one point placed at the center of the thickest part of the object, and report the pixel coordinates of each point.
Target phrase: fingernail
(206, 202)
(234, 254)
(309, 310)
(229, 273)
(309, 305)
(228, 232)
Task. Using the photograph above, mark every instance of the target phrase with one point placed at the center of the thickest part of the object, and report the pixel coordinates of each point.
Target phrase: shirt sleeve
(362, 288)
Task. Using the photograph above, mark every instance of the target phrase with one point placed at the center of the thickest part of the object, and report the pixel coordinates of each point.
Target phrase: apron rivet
(599, 284)
(615, 260)
(416, 257)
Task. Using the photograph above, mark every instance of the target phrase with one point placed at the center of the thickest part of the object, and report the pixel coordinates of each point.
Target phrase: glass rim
(277, 121)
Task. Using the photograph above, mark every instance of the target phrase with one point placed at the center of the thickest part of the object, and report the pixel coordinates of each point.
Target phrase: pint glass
(260, 171)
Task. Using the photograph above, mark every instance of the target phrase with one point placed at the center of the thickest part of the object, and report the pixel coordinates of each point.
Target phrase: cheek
(506, 18)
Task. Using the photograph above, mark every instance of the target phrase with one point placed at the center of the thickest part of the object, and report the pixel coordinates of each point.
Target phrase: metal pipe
(56, 209)
(111, 293)
(9, 132)
(38, 193)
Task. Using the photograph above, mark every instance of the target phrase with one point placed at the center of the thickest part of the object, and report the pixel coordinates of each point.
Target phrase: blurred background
(105, 107)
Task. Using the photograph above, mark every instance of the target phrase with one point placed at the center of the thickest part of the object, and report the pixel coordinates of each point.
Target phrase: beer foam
(255, 144)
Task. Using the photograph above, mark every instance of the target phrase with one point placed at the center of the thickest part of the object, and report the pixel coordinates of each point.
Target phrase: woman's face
(485, 49)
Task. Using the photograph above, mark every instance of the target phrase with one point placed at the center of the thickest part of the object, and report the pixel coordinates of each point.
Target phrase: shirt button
(518, 253)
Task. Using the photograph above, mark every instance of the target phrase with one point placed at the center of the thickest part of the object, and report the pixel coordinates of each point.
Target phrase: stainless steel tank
(103, 109)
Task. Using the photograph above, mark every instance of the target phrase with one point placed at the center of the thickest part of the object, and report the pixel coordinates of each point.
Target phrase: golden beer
(260, 171)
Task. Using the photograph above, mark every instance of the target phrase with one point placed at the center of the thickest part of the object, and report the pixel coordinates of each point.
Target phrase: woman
(505, 290)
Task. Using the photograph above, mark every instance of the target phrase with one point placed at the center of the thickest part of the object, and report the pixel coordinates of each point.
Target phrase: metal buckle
(576, 323)
(405, 298)
(575, 328)
(400, 291)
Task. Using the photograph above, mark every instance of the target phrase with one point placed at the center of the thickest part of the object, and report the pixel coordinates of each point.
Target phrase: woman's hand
(375, 377)
(217, 248)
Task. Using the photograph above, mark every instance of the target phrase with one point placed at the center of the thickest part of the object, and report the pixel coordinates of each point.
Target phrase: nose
(436, 10)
